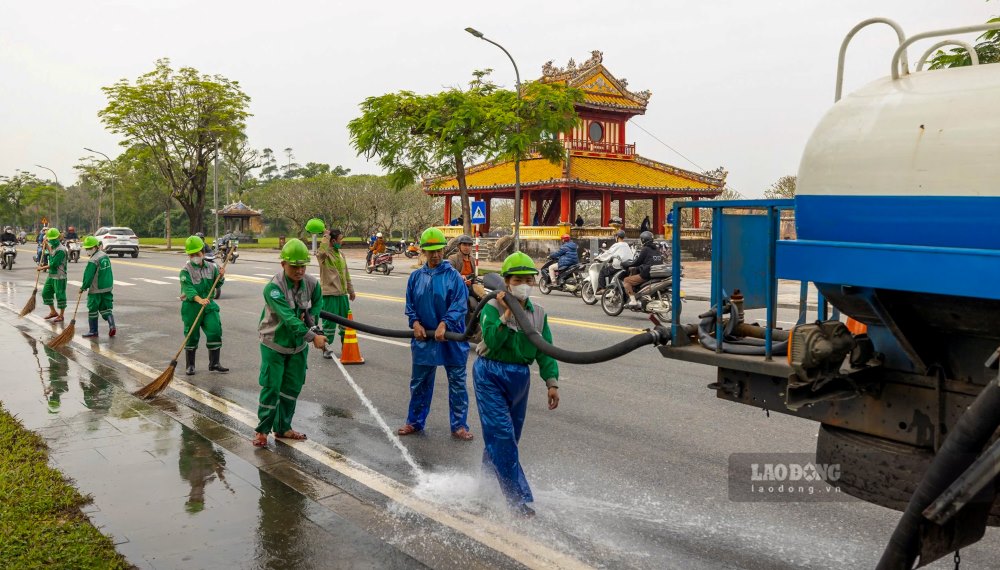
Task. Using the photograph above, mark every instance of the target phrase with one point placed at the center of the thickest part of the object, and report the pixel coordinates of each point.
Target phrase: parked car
(118, 240)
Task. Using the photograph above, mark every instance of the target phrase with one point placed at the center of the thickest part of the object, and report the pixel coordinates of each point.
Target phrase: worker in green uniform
(196, 281)
(502, 379)
(292, 302)
(335, 280)
(98, 282)
(54, 291)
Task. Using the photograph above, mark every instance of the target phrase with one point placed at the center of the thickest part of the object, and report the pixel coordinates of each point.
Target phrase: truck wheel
(135, 254)
(121, 254)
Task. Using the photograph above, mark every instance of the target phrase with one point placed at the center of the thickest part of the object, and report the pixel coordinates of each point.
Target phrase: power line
(702, 168)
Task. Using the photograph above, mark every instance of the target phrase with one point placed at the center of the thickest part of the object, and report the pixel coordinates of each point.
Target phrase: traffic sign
(45, 221)
(478, 212)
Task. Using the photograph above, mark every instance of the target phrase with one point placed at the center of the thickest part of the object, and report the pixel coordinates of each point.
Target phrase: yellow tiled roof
(610, 100)
(487, 175)
(625, 173)
(628, 172)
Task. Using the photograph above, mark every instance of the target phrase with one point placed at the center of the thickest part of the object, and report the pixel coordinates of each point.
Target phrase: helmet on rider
(378, 235)
(565, 237)
(200, 235)
(518, 263)
(620, 234)
(90, 242)
(432, 240)
(295, 252)
(465, 239)
(646, 237)
(193, 244)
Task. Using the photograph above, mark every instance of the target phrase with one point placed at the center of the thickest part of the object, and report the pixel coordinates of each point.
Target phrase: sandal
(52, 316)
(259, 440)
(462, 434)
(58, 319)
(290, 434)
(407, 430)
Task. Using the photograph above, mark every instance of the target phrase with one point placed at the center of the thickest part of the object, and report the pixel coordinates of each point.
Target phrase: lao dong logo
(794, 472)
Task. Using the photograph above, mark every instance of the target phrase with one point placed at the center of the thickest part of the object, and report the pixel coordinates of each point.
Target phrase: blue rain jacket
(566, 255)
(432, 296)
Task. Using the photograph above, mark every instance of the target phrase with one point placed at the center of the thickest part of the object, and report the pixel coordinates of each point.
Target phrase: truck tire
(877, 470)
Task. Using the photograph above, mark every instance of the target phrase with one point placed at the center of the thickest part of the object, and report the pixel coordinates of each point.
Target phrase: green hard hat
(432, 240)
(518, 263)
(295, 252)
(315, 226)
(53, 233)
(90, 241)
(193, 244)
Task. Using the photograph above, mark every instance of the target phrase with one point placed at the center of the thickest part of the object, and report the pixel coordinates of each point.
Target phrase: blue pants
(502, 397)
(422, 390)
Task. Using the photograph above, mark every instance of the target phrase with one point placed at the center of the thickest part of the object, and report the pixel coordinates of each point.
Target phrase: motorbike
(41, 255)
(226, 246)
(572, 279)
(393, 249)
(73, 246)
(653, 296)
(412, 251)
(210, 258)
(591, 290)
(22, 239)
(381, 262)
(477, 291)
(8, 251)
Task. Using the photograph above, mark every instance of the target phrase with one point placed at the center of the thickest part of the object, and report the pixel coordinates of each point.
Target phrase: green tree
(179, 115)
(783, 187)
(19, 198)
(239, 160)
(438, 135)
(988, 50)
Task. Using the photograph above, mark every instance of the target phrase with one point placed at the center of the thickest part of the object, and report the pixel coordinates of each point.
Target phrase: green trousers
(54, 288)
(339, 305)
(100, 304)
(281, 380)
(210, 323)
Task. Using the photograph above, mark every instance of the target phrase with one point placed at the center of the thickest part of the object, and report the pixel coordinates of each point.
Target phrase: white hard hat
(378, 234)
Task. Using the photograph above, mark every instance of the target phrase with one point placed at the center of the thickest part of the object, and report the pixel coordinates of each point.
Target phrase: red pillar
(697, 215)
(485, 228)
(621, 210)
(605, 208)
(447, 210)
(565, 205)
(525, 208)
(659, 213)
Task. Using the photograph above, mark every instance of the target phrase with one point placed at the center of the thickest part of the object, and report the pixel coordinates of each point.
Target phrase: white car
(118, 240)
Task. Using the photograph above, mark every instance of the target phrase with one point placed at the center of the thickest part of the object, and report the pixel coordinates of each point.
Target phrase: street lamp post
(58, 190)
(517, 157)
(114, 217)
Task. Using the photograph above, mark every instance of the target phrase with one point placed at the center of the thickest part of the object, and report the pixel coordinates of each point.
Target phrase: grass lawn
(40, 519)
(262, 243)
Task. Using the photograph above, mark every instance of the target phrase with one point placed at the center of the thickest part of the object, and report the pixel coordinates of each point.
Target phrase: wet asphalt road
(629, 472)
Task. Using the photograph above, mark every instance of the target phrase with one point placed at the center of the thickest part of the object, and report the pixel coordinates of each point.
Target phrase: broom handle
(77, 307)
(197, 317)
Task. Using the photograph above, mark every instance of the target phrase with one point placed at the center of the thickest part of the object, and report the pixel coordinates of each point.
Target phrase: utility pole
(215, 187)
(58, 191)
(114, 218)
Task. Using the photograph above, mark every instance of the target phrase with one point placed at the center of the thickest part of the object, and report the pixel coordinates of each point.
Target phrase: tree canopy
(439, 134)
(783, 187)
(987, 48)
(179, 117)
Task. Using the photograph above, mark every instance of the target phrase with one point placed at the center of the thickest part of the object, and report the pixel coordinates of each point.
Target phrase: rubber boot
(111, 324)
(213, 361)
(189, 360)
(93, 328)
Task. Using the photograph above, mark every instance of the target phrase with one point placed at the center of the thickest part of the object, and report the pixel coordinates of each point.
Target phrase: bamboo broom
(161, 382)
(30, 305)
(67, 334)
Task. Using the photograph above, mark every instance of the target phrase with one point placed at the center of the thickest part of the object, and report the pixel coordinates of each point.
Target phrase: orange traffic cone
(351, 354)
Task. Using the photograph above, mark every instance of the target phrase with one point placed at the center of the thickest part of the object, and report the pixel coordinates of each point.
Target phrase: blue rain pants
(422, 390)
(502, 398)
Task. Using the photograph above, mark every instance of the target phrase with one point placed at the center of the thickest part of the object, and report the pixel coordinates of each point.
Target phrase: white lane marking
(385, 340)
(153, 281)
(124, 284)
(264, 274)
(74, 283)
(174, 277)
(494, 535)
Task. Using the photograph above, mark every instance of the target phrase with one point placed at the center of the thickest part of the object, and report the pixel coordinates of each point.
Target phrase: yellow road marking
(392, 299)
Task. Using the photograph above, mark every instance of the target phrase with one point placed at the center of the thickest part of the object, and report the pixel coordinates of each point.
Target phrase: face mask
(336, 245)
(197, 258)
(521, 291)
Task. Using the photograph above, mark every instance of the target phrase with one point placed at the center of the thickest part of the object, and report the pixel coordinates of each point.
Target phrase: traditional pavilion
(241, 218)
(599, 164)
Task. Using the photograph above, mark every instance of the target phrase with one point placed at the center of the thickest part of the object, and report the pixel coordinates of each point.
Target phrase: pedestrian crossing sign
(478, 212)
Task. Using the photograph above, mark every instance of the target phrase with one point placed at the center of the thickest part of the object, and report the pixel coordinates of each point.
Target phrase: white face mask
(197, 258)
(521, 291)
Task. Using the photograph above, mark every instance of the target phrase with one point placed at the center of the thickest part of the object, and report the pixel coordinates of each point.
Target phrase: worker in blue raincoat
(437, 301)
(502, 379)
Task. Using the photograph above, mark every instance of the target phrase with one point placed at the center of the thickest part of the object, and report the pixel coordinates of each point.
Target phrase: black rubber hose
(964, 442)
(655, 336)
(749, 347)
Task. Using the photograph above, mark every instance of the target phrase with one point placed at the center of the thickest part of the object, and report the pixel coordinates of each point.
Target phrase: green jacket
(506, 342)
(196, 281)
(282, 327)
(99, 266)
(57, 262)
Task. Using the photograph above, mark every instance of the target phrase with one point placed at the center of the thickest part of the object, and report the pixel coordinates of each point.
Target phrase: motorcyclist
(8, 235)
(377, 247)
(205, 249)
(649, 256)
(70, 234)
(567, 256)
(41, 256)
(463, 261)
(617, 254)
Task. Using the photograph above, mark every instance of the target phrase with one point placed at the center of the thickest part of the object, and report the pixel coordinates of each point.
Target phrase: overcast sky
(735, 83)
